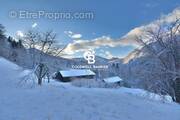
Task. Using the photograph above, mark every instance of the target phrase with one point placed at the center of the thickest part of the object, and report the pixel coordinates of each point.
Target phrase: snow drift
(57, 101)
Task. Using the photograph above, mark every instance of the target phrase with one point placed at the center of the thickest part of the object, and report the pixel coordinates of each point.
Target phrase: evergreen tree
(2, 31)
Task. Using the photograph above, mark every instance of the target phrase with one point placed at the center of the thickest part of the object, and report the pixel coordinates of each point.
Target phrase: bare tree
(31, 38)
(163, 43)
(30, 41)
(45, 43)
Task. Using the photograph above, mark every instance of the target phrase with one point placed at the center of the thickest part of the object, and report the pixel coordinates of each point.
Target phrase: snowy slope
(61, 102)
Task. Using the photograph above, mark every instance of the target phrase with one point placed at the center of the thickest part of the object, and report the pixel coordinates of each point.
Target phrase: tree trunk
(40, 74)
(39, 81)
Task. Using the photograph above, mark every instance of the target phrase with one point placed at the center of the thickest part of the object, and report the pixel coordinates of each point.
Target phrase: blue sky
(112, 18)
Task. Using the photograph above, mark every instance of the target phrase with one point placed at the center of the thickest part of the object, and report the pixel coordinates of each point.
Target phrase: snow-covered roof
(113, 79)
(76, 72)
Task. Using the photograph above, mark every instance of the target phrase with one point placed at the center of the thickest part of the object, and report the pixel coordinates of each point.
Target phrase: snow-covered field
(57, 101)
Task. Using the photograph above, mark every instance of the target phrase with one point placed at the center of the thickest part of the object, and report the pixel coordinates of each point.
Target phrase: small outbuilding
(114, 80)
(74, 74)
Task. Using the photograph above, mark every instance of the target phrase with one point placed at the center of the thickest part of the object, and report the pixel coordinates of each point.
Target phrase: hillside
(27, 57)
(56, 101)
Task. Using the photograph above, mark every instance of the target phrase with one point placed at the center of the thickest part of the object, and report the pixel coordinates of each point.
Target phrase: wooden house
(74, 74)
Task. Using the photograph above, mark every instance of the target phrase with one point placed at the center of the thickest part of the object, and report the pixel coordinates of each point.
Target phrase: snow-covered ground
(57, 101)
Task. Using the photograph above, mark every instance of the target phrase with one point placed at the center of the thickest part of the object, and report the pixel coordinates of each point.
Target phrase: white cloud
(19, 34)
(73, 35)
(127, 40)
(69, 33)
(104, 41)
(165, 19)
(108, 55)
(34, 25)
(76, 36)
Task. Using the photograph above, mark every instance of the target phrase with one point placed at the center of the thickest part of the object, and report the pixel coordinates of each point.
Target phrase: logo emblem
(89, 55)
